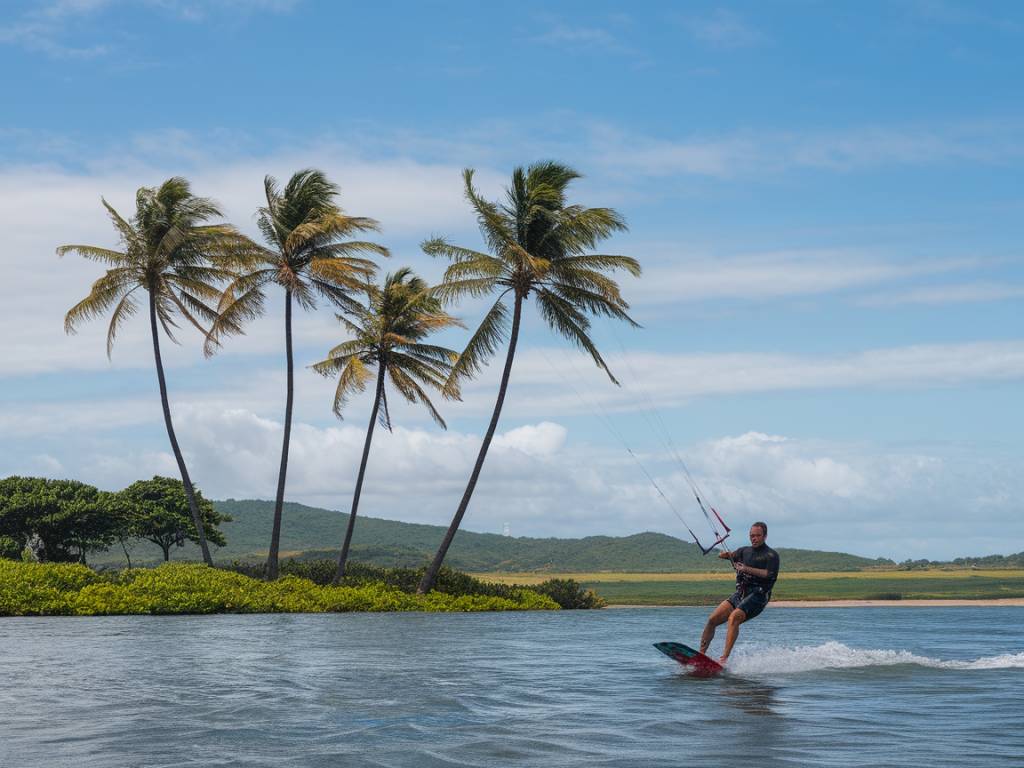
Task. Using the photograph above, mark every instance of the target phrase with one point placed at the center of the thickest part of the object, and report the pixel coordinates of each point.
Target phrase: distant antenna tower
(506, 530)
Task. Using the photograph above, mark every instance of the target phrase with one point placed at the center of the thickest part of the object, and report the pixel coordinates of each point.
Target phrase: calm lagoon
(826, 687)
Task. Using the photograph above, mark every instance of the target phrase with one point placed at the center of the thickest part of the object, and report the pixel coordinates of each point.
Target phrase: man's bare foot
(722, 660)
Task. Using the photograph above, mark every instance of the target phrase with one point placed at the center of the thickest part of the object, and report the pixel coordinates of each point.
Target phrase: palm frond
(342, 272)
(189, 306)
(569, 322)
(334, 364)
(598, 261)
(337, 295)
(353, 379)
(439, 246)
(593, 302)
(105, 255)
(450, 290)
(124, 309)
(579, 229)
(165, 315)
(436, 354)
(127, 232)
(412, 392)
(429, 373)
(494, 227)
(384, 413)
(486, 266)
(105, 293)
(483, 343)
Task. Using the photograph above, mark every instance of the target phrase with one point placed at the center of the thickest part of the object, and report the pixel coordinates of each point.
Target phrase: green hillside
(310, 532)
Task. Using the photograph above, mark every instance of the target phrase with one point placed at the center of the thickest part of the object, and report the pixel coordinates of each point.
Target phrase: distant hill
(311, 532)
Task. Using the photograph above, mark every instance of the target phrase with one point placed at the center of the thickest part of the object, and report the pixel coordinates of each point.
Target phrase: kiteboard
(695, 662)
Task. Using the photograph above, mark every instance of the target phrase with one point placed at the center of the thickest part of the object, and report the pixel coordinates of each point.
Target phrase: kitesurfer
(757, 568)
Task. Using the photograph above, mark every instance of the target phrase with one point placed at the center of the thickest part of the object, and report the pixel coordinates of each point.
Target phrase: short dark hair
(762, 526)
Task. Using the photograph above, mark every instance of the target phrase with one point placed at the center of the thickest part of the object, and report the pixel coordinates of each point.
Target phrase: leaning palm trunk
(185, 479)
(343, 556)
(430, 576)
(275, 535)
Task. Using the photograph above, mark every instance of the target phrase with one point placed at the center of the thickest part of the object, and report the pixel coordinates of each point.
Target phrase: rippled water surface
(814, 687)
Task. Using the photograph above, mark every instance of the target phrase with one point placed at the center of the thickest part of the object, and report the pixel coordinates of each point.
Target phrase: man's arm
(771, 572)
(757, 573)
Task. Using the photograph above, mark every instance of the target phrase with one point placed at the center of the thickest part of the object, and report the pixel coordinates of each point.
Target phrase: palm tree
(307, 255)
(171, 255)
(387, 335)
(538, 246)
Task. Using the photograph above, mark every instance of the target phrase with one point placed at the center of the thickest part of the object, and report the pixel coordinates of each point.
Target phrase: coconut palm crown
(170, 256)
(307, 253)
(539, 246)
(388, 335)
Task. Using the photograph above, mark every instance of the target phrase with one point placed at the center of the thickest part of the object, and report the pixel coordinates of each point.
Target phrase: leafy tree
(538, 246)
(387, 335)
(14, 528)
(159, 511)
(62, 520)
(307, 255)
(172, 256)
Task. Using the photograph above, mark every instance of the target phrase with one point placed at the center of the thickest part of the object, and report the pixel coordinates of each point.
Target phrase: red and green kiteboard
(696, 663)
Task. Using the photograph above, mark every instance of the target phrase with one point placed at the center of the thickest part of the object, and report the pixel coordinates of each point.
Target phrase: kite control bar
(720, 537)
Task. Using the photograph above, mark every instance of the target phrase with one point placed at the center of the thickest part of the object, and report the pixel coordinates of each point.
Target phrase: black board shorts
(751, 602)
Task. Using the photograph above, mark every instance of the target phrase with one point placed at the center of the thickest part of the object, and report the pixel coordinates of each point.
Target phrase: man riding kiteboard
(757, 568)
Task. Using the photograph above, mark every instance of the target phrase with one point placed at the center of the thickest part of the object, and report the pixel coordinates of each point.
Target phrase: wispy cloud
(583, 36)
(961, 293)
(675, 276)
(43, 37)
(559, 381)
(564, 35)
(767, 152)
(54, 28)
(723, 28)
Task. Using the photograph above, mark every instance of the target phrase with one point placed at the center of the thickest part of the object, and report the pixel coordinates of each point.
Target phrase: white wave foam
(835, 655)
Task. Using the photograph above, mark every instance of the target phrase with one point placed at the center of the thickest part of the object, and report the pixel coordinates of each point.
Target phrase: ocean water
(806, 687)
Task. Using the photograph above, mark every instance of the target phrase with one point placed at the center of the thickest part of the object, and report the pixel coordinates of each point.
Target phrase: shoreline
(915, 603)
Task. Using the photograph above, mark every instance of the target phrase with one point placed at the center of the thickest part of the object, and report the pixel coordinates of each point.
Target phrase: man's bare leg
(718, 616)
(736, 618)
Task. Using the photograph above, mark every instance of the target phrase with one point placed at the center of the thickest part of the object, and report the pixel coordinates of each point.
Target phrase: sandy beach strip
(937, 603)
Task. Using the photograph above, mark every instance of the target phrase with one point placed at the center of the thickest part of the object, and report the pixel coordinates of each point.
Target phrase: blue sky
(826, 199)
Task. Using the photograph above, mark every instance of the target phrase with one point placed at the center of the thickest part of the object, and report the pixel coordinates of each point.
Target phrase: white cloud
(723, 28)
(947, 294)
(680, 276)
(770, 460)
(558, 381)
(764, 153)
(544, 439)
(46, 27)
(847, 497)
(544, 382)
(561, 34)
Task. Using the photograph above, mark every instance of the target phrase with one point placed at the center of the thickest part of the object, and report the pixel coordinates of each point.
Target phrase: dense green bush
(35, 588)
(50, 589)
(566, 592)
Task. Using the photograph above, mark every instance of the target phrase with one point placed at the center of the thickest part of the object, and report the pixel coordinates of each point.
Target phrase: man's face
(756, 535)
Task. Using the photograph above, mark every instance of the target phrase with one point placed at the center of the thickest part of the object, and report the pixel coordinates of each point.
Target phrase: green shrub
(190, 588)
(565, 592)
(568, 593)
(36, 589)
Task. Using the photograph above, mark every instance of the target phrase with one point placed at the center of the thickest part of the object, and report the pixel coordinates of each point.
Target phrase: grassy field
(708, 589)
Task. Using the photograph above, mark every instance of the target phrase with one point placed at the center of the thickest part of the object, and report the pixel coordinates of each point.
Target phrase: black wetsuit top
(763, 557)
